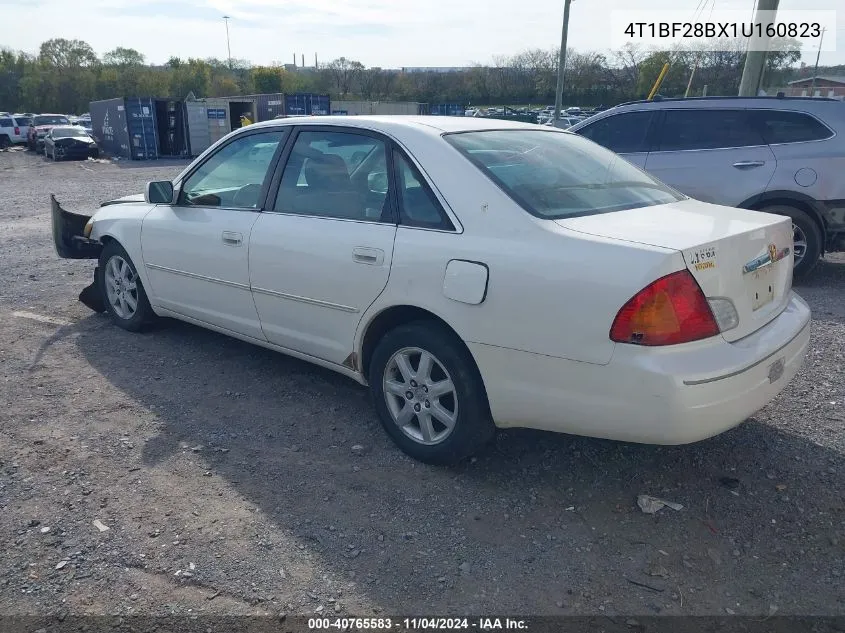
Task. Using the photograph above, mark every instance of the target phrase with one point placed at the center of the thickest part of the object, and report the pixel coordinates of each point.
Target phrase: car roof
(831, 111)
(387, 123)
(786, 103)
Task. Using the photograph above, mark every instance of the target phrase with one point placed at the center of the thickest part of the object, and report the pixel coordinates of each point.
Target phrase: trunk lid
(745, 256)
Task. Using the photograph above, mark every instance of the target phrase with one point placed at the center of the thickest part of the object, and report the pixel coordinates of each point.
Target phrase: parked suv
(13, 129)
(775, 154)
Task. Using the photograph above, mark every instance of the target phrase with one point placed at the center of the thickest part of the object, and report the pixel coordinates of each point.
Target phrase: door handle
(371, 256)
(230, 238)
(743, 164)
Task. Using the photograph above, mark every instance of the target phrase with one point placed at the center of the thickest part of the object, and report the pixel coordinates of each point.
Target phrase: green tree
(123, 57)
(266, 79)
(62, 53)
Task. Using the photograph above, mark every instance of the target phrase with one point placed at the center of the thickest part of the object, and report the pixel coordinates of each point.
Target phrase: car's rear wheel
(428, 393)
(123, 294)
(806, 236)
(5, 141)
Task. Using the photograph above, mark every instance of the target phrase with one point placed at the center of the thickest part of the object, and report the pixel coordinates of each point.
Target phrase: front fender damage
(71, 243)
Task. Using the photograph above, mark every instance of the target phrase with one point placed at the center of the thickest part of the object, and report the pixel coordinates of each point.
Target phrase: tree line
(66, 75)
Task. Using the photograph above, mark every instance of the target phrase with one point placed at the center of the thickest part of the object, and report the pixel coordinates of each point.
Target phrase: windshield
(50, 120)
(557, 175)
(59, 132)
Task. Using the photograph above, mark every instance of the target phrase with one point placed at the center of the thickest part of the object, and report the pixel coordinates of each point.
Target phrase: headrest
(327, 171)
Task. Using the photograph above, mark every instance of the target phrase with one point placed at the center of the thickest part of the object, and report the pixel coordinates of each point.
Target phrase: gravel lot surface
(234, 480)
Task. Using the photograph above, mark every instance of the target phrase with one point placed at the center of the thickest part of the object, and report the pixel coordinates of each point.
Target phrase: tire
(464, 402)
(807, 235)
(5, 141)
(119, 297)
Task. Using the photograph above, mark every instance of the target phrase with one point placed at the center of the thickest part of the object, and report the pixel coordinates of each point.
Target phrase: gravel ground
(234, 480)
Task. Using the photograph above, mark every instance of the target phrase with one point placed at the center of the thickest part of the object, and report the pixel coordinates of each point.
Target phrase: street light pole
(816, 69)
(228, 47)
(561, 62)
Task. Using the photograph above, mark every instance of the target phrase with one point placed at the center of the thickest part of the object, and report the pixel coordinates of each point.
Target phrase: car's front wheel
(123, 294)
(429, 394)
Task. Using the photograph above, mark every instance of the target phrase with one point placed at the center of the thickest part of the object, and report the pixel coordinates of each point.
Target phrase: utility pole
(561, 63)
(816, 69)
(755, 61)
(228, 47)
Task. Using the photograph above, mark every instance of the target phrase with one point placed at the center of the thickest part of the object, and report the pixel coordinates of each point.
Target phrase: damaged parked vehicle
(474, 273)
(40, 125)
(69, 142)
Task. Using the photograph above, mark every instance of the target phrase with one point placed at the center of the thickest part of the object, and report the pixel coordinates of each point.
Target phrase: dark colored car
(69, 142)
(41, 124)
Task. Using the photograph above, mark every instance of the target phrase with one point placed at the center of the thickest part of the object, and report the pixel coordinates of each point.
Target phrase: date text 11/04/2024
(729, 30)
(417, 624)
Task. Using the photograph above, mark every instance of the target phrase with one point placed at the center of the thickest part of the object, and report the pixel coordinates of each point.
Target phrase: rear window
(23, 120)
(778, 126)
(556, 175)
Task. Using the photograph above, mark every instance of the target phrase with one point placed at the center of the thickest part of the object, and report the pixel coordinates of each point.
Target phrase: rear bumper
(674, 395)
(68, 235)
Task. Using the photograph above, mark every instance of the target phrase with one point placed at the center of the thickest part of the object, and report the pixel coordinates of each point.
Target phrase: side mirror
(377, 182)
(159, 192)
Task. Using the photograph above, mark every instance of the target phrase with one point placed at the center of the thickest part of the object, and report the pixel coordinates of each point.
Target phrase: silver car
(776, 154)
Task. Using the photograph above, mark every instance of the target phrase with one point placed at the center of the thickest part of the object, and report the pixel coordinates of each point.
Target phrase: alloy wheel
(121, 287)
(421, 396)
(799, 243)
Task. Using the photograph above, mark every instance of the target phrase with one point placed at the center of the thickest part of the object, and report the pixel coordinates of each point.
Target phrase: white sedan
(475, 273)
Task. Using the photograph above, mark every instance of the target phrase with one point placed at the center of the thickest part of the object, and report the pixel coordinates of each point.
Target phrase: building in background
(832, 86)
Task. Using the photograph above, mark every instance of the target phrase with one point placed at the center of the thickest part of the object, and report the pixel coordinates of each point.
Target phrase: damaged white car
(474, 273)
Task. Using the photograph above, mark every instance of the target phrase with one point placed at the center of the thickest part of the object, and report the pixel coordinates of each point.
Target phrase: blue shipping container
(307, 104)
(141, 123)
(447, 109)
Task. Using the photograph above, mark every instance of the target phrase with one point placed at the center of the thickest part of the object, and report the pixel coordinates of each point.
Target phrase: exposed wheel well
(394, 317)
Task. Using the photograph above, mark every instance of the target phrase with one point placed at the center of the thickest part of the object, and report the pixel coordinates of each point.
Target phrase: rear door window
(6, 123)
(625, 133)
(690, 129)
(779, 126)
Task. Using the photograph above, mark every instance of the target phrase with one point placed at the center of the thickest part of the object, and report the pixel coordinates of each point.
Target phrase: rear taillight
(669, 311)
(17, 131)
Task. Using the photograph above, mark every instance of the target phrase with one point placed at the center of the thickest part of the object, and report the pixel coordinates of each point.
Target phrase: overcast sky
(387, 33)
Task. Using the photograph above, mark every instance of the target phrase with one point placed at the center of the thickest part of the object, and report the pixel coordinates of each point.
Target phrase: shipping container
(241, 105)
(377, 107)
(139, 128)
(307, 103)
(268, 106)
(447, 109)
(172, 126)
(208, 122)
(108, 124)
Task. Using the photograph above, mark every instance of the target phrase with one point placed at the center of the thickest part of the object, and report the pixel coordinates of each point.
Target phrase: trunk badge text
(771, 256)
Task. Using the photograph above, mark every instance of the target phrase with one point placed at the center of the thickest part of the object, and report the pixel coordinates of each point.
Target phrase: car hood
(83, 139)
(44, 128)
(136, 197)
